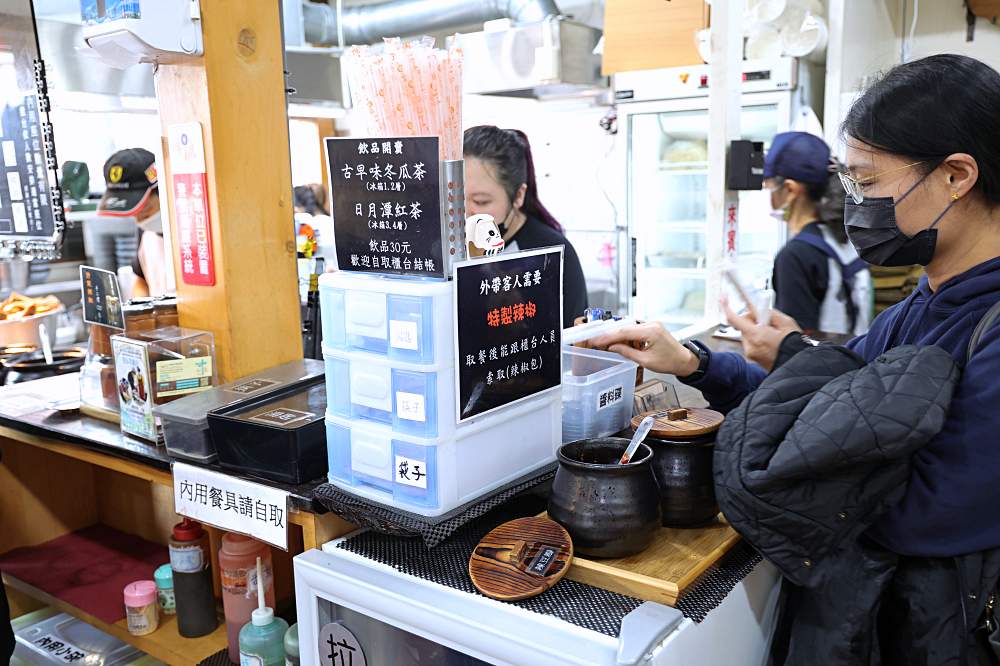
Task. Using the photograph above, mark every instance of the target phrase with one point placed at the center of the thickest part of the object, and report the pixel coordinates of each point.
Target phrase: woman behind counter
(500, 181)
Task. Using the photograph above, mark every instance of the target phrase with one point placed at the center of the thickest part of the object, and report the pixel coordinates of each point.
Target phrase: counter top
(26, 408)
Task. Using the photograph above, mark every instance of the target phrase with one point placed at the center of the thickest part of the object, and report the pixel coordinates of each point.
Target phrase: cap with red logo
(130, 177)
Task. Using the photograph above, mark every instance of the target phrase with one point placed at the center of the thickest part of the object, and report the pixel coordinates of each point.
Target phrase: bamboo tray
(665, 570)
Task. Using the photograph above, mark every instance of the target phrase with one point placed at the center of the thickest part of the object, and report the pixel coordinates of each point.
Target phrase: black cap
(130, 177)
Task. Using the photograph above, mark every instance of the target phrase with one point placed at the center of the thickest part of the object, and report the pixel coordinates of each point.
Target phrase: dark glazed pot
(683, 470)
(609, 510)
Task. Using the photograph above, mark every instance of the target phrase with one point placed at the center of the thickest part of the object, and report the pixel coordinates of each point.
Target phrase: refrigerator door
(666, 170)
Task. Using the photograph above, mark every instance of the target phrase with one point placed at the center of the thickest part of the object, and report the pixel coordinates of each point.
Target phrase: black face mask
(871, 227)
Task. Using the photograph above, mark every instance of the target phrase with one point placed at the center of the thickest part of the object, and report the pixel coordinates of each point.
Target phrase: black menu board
(387, 205)
(102, 299)
(27, 173)
(508, 319)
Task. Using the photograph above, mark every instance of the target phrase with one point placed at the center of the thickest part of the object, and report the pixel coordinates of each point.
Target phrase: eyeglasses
(856, 187)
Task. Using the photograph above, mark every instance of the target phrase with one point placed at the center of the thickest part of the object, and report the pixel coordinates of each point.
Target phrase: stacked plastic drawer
(392, 437)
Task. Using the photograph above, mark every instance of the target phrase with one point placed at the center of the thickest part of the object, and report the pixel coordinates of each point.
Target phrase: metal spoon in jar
(640, 434)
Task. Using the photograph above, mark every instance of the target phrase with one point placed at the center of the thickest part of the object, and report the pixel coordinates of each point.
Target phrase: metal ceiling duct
(368, 24)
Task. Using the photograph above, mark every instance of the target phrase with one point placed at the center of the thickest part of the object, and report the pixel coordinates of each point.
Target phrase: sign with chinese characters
(508, 323)
(411, 472)
(732, 230)
(190, 204)
(387, 206)
(61, 650)
(339, 647)
(102, 298)
(135, 387)
(609, 397)
(231, 504)
(25, 205)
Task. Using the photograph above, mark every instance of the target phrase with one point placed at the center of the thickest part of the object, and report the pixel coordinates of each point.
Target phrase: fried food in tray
(18, 306)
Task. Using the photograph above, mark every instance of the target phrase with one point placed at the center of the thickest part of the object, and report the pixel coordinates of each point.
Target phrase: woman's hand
(761, 342)
(652, 347)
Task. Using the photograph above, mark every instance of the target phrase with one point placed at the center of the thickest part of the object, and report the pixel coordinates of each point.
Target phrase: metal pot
(682, 464)
(31, 366)
(610, 510)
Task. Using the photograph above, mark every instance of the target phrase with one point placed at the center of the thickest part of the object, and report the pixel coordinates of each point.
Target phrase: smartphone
(759, 300)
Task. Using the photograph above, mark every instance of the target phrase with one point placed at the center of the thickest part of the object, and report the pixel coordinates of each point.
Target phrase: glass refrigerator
(663, 122)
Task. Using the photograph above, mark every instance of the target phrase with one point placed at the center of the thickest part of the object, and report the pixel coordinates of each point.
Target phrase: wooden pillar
(236, 92)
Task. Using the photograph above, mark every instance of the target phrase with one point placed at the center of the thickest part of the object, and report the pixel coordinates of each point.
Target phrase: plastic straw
(409, 89)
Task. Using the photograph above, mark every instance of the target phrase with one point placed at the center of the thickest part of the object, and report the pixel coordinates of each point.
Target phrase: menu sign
(102, 298)
(25, 207)
(386, 205)
(508, 324)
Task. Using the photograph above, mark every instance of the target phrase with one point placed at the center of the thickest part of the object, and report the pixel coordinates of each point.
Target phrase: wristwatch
(703, 357)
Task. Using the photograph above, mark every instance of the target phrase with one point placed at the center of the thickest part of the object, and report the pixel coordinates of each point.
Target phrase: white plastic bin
(597, 393)
(405, 320)
(414, 399)
(433, 476)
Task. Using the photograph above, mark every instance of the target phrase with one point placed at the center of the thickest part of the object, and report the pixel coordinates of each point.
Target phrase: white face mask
(152, 223)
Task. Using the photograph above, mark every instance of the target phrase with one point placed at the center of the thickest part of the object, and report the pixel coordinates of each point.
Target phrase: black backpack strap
(984, 325)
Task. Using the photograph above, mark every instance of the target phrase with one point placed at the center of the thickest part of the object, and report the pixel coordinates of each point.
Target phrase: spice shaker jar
(142, 611)
(164, 577)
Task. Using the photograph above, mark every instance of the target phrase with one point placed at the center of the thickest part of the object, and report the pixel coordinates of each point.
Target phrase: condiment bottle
(262, 638)
(292, 645)
(237, 562)
(190, 561)
(141, 610)
(164, 578)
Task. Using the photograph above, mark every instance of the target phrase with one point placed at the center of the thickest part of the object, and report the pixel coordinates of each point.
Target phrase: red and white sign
(731, 230)
(190, 187)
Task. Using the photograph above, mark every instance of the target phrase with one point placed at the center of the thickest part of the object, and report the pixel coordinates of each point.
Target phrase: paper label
(283, 418)
(250, 659)
(251, 386)
(186, 559)
(55, 647)
(138, 621)
(168, 601)
(182, 376)
(411, 406)
(403, 334)
(610, 397)
(231, 504)
(410, 472)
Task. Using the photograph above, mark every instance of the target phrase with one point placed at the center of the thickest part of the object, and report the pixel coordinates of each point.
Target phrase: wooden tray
(665, 570)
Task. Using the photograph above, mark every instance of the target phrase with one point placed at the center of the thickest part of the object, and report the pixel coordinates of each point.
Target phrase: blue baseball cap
(800, 156)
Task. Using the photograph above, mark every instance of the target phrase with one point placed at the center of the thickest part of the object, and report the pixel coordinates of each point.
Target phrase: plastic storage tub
(433, 476)
(58, 638)
(279, 437)
(414, 399)
(185, 421)
(597, 392)
(390, 317)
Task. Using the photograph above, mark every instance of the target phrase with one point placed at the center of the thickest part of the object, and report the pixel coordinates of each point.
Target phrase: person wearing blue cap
(818, 279)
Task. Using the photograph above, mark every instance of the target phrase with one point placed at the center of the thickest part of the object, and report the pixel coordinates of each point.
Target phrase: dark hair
(830, 204)
(309, 198)
(509, 153)
(930, 108)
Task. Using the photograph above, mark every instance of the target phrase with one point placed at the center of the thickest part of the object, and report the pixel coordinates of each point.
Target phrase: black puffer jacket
(805, 465)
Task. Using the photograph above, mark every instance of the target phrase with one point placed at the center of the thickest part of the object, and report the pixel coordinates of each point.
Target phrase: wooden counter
(61, 473)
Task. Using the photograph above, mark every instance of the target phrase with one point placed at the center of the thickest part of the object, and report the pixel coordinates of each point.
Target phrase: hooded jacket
(949, 506)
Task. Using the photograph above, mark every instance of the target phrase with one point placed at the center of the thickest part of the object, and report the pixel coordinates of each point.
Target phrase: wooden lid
(681, 423)
(521, 559)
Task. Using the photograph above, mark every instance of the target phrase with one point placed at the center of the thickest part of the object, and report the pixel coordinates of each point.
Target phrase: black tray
(279, 436)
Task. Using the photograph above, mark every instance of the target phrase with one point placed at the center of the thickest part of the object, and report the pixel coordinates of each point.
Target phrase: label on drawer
(411, 406)
(410, 472)
(610, 397)
(61, 650)
(403, 334)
